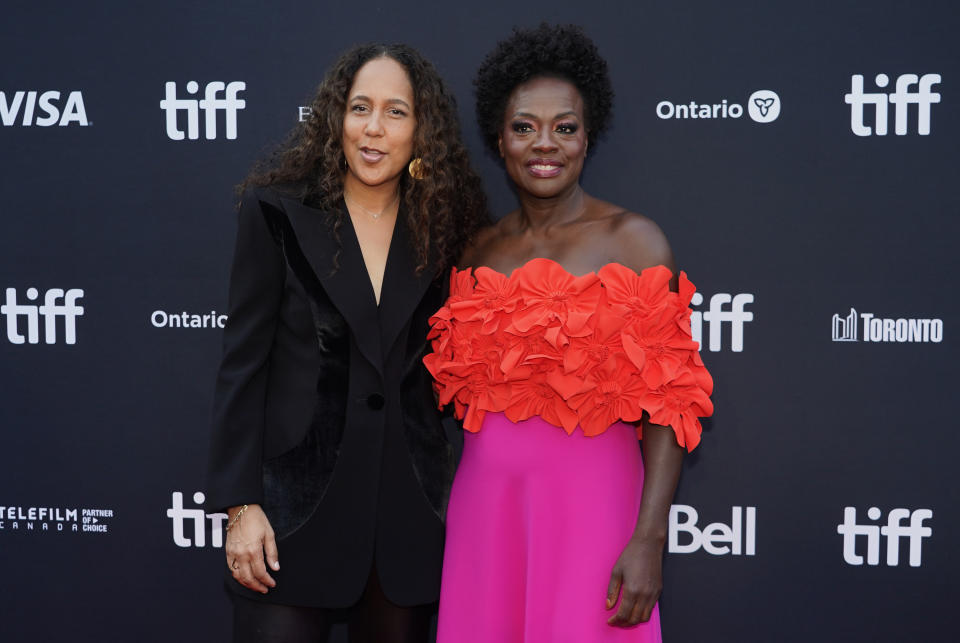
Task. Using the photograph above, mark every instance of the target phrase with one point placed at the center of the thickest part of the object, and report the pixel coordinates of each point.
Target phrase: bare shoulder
(484, 243)
(638, 242)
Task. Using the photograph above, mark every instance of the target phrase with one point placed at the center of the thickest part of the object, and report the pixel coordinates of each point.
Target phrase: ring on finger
(234, 565)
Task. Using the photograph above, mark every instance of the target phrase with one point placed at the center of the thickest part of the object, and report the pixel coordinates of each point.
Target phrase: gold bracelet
(236, 518)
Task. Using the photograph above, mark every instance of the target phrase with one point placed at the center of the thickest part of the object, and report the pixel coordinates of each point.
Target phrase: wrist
(234, 515)
(650, 537)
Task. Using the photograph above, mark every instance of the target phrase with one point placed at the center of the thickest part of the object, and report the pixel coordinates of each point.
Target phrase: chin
(374, 178)
(543, 190)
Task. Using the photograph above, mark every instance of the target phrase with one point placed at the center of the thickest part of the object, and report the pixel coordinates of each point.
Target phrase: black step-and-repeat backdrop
(801, 156)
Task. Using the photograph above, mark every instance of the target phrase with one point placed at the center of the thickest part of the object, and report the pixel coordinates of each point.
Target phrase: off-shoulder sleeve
(657, 340)
(256, 287)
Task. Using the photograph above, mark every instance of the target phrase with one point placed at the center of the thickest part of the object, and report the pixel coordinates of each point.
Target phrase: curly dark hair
(561, 51)
(444, 208)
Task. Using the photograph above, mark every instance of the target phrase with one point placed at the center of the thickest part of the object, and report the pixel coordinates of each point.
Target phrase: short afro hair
(561, 51)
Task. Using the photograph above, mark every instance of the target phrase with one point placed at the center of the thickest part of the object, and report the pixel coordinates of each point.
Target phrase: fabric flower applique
(493, 296)
(610, 393)
(678, 404)
(635, 296)
(551, 295)
(583, 354)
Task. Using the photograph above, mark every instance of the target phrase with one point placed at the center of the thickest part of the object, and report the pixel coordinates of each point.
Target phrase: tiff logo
(894, 530)
(51, 309)
(737, 316)
(901, 98)
(181, 517)
(42, 110)
(845, 328)
(210, 104)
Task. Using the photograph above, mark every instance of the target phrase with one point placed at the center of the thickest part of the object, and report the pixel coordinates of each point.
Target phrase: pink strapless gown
(547, 370)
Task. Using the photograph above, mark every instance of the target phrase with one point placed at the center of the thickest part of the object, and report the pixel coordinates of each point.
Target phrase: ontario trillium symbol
(763, 104)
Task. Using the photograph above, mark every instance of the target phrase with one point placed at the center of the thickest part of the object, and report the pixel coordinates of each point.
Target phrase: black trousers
(374, 619)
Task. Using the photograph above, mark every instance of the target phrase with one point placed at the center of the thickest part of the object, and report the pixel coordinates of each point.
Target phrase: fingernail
(276, 565)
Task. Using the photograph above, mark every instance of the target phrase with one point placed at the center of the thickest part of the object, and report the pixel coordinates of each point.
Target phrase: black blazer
(323, 410)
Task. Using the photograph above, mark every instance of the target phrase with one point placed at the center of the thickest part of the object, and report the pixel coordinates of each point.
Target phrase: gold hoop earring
(416, 169)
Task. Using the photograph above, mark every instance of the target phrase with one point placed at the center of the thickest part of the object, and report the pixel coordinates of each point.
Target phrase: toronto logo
(869, 327)
(845, 328)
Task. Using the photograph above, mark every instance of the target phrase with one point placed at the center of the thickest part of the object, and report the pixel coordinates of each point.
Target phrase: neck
(536, 212)
(374, 198)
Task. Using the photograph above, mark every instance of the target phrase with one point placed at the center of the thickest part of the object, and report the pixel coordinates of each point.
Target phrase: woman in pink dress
(566, 337)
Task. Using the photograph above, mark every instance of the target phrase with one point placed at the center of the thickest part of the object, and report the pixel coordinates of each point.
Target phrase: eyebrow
(535, 117)
(390, 101)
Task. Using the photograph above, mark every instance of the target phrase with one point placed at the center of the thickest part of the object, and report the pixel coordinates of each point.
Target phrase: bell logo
(894, 530)
(181, 517)
(717, 539)
(41, 109)
(210, 104)
(901, 98)
(56, 303)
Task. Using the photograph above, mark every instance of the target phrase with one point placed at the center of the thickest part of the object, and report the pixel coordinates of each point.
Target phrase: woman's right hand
(249, 541)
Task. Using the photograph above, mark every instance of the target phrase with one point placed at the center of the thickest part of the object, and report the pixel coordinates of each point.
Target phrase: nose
(544, 141)
(374, 125)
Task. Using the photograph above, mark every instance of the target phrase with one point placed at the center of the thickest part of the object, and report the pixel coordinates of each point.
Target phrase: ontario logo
(763, 106)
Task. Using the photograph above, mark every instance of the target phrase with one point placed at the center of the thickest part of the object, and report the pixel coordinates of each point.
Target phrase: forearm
(662, 461)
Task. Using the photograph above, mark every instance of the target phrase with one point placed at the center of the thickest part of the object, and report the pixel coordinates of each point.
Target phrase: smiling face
(379, 124)
(543, 141)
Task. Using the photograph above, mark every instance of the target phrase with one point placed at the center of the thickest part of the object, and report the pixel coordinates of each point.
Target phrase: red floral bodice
(576, 351)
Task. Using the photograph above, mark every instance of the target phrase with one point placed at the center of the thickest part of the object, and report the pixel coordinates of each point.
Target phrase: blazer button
(375, 401)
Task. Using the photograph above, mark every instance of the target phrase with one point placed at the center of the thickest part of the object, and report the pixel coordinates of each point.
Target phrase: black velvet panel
(294, 482)
(431, 453)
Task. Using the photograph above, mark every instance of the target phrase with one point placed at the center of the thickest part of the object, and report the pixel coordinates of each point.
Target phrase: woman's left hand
(639, 574)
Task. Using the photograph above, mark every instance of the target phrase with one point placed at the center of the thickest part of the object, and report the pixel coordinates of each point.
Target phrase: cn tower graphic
(845, 330)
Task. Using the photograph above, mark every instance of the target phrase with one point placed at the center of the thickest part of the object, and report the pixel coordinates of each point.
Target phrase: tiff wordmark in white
(915, 531)
(57, 303)
(901, 98)
(180, 516)
(716, 316)
(210, 104)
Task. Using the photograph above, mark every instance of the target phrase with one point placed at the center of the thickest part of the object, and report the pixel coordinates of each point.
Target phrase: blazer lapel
(402, 287)
(347, 284)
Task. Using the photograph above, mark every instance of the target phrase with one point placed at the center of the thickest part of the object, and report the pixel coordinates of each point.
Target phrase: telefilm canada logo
(42, 108)
(739, 538)
(855, 326)
(192, 527)
(24, 519)
(901, 524)
(717, 318)
(23, 317)
(763, 106)
(900, 98)
(211, 105)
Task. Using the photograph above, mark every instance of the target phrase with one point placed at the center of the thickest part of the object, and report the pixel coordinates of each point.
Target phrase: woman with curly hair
(327, 449)
(566, 337)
